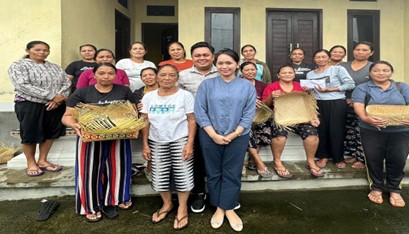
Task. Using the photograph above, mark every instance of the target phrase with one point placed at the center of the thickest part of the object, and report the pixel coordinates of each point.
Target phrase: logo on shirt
(162, 109)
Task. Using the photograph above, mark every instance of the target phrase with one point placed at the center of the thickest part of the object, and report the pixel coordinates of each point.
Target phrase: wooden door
(291, 29)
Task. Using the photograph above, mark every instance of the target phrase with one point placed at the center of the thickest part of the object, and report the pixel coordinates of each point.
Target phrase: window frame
(376, 31)
(236, 24)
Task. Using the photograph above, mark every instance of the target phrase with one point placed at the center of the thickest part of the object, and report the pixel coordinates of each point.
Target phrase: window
(123, 3)
(363, 25)
(222, 28)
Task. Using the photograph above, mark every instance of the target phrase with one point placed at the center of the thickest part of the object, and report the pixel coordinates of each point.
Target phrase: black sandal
(48, 208)
(110, 212)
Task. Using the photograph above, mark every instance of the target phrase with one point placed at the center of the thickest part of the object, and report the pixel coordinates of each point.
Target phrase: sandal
(351, 160)
(341, 165)
(52, 168)
(34, 173)
(397, 202)
(314, 171)
(251, 166)
(358, 165)
(159, 213)
(126, 205)
(264, 173)
(179, 220)
(322, 162)
(93, 218)
(375, 197)
(283, 173)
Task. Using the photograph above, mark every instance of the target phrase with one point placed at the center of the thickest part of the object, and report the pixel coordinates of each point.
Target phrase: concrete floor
(326, 211)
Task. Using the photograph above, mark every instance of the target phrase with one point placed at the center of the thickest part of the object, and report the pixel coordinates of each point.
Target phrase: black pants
(199, 172)
(331, 130)
(391, 147)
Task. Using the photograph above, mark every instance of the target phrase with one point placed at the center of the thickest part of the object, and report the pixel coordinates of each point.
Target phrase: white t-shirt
(133, 70)
(167, 114)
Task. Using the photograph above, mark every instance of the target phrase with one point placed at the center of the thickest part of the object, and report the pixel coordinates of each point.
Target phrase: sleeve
(123, 77)
(83, 79)
(189, 103)
(182, 77)
(359, 93)
(20, 77)
(75, 98)
(201, 107)
(65, 84)
(405, 92)
(347, 83)
(267, 91)
(138, 94)
(249, 109)
(70, 70)
(145, 104)
(120, 64)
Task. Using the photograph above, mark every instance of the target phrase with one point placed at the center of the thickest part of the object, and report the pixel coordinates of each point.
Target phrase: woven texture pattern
(394, 114)
(7, 152)
(117, 120)
(263, 113)
(294, 108)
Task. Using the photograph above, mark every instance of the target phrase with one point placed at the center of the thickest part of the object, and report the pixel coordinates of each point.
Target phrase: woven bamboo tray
(117, 120)
(394, 114)
(294, 108)
(7, 152)
(263, 113)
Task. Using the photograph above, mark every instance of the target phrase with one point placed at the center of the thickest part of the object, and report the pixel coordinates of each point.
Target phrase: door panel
(291, 29)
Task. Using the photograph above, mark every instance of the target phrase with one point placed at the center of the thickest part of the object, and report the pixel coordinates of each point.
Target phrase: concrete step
(16, 185)
(63, 152)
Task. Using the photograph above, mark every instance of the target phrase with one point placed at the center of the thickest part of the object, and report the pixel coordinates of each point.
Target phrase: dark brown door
(122, 35)
(291, 29)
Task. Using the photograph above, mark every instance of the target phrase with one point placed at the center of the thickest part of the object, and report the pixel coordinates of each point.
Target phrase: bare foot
(358, 165)
(396, 200)
(375, 197)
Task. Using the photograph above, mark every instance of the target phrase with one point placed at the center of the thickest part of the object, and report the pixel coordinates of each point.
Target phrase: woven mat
(294, 108)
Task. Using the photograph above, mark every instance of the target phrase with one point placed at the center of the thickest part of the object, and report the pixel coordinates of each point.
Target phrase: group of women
(223, 109)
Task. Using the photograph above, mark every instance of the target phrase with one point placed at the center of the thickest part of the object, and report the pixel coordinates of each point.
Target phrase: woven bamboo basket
(7, 152)
(394, 114)
(294, 108)
(263, 113)
(113, 121)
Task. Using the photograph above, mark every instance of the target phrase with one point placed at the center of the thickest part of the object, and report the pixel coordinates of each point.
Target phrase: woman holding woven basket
(384, 140)
(41, 90)
(260, 134)
(307, 131)
(168, 143)
(103, 168)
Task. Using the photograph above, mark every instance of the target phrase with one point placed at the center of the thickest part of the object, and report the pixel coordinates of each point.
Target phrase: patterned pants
(168, 165)
(102, 174)
(353, 146)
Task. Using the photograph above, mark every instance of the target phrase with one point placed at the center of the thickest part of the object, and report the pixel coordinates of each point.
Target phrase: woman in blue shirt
(224, 109)
(380, 141)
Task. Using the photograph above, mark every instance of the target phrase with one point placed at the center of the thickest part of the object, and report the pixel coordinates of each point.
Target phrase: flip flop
(397, 202)
(34, 173)
(375, 198)
(322, 162)
(264, 173)
(341, 165)
(178, 221)
(158, 213)
(110, 212)
(315, 172)
(283, 173)
(48, 208)
(52, 168)
(126, 205)
(95, 217)
(358, 165)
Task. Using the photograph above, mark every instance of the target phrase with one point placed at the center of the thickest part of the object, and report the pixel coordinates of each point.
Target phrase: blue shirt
(334, 76)
(390, 96)
(225, 105)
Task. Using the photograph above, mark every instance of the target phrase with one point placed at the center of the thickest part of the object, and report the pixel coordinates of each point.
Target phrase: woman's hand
(221, 140)
(405, 122)
(259, 103)
(51, 105)
(377, 122)
(77, 128)
(59, 98)
(146, 152)
(139, 106)
(315, 122)
(276, 93)
(187, 152)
